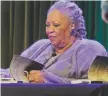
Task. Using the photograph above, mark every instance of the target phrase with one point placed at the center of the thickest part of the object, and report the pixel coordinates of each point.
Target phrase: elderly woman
(66, 54)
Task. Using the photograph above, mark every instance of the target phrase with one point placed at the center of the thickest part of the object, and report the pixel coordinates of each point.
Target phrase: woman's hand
(35, 76)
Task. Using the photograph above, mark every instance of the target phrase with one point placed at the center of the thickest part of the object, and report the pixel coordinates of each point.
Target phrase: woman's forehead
(56, 15)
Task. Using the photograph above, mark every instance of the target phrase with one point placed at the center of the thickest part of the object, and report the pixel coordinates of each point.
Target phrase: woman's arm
(46, 77)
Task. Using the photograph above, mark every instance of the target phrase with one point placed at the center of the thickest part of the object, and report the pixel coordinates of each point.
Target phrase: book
(98, 70)
(20, 65)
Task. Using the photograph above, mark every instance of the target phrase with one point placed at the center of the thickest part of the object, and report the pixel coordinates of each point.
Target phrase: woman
(66, 54)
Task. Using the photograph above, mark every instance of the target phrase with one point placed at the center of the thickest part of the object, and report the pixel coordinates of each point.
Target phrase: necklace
(66, 47)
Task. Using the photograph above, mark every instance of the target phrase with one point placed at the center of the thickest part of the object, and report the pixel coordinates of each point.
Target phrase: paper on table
(84, 81)
(7, 80)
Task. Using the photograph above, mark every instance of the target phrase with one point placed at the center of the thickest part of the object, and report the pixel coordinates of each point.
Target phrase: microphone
(54, 54)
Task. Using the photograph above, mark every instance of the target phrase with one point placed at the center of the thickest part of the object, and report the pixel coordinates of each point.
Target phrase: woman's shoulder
(91, 44)
(89, 49)
(40, 42)
(35, 46)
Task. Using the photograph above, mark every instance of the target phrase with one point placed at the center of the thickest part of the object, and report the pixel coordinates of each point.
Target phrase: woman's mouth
(51, 37)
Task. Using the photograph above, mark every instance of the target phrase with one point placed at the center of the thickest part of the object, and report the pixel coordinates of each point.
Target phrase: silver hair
(75, 15)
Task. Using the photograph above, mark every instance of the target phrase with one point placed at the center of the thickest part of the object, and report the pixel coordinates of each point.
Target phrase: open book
(20, 64)
(99, 69)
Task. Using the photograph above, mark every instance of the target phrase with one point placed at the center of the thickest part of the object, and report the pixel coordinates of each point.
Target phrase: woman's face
(58, 28)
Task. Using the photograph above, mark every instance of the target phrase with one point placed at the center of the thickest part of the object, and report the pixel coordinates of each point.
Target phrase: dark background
(23, 23)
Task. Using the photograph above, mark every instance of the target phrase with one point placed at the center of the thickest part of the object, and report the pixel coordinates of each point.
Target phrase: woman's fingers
(35, 76)
(34, 72)
(30, 78)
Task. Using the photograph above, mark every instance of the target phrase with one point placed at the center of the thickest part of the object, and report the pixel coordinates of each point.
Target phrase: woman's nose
(49, 30)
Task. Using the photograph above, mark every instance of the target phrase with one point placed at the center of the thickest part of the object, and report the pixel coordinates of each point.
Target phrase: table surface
(28, 89)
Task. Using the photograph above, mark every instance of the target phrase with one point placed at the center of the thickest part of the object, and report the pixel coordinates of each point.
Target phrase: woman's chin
(53, 42)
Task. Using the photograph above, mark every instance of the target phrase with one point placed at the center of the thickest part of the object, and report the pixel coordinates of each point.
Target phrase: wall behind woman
(23, 23)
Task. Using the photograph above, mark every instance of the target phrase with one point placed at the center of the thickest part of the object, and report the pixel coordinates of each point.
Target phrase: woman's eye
(47, 25)
(56, 25)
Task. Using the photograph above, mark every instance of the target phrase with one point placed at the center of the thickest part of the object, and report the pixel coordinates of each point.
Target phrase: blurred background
(23, 23)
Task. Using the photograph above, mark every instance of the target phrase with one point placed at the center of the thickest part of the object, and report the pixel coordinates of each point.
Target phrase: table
(29, 89)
